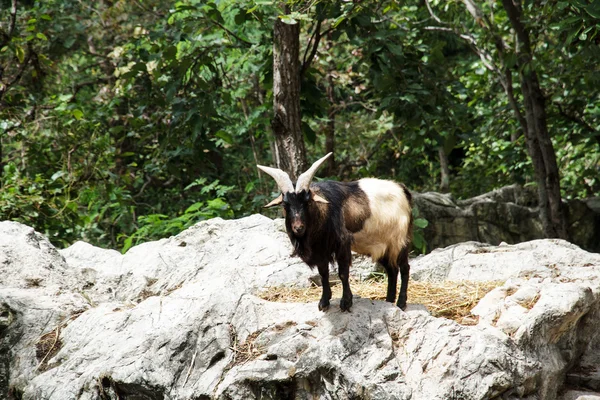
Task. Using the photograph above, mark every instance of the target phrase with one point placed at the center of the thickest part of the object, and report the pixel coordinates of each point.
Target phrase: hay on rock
(448, 299)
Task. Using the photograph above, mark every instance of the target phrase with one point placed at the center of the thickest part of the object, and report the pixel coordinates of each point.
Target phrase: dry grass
(33, 282)
(47, 347)
(452, 300)
(246, 351)
(49, 344)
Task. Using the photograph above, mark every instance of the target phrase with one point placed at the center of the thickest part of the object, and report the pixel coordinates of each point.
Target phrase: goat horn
(281, 177)
(306, 178)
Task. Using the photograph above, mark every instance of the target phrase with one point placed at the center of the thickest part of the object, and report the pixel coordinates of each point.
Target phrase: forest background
(128, 120)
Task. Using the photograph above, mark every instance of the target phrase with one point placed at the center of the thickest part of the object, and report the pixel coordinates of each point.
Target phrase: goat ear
(318, 198)
(275, 202)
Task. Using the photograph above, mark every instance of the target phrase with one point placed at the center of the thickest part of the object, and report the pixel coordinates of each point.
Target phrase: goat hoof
(323, 305)
(402, 306)
(345, 304)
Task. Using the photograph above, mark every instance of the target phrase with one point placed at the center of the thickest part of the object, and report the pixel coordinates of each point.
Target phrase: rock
(580, 395)
(508, 214)
(172, 321)
(474, 261)
(34, 259)
(586, 372)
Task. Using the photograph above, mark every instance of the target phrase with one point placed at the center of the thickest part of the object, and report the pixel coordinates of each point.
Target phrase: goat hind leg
(404, 275)
(344, 260)
(392, 277)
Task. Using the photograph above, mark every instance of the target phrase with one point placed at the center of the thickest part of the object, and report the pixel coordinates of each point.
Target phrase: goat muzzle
(298, 228)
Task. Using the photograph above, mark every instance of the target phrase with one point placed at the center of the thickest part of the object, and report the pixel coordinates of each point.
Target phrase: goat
(328, 219)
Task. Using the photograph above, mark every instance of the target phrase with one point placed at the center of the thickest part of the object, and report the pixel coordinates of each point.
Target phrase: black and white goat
(328, 219)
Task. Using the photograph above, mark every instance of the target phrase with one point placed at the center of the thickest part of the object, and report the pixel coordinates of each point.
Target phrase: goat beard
(300, 250)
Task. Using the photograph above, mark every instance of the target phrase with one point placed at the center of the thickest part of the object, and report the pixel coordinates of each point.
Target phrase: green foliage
(40, 202)
(156, 226)
(420, 223)
(128, 121)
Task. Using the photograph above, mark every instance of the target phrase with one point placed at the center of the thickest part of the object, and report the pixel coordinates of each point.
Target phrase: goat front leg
(344, 260)
(326, 295)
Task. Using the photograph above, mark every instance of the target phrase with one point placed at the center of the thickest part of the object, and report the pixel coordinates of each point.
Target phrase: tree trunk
(286, 123)
(537, 137)
(445, 171)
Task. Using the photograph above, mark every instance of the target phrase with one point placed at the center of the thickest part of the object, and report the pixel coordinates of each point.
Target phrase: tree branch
(435, 17)
(11, 24)
(13, 17)
(244, 41)
(514, 15)
(19, 75)
(508, 88)
(316, 36)
(503, 72)
(475, 12)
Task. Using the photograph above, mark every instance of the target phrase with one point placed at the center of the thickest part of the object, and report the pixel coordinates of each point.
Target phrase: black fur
(322, 233)
(326, 237)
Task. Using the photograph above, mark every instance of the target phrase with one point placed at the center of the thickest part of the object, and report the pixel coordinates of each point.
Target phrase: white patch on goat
(387, 228)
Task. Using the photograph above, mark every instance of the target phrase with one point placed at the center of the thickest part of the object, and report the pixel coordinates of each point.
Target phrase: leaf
(594, 9)
(170, 52)
(197, 182)
(56, 175)
(194, 207)
(339, 20)
(419, 242)
(77, 113)
(65, 97)
(240, 17)
(395, 49)
(69, 42)
(127, 244)
(46, 17)
(40, 35)
(224, 136)
(20, 53)
(568, 22)
(573, 34)
(217, 204)
(421, 223)
(184, 7)
(215, 15)
(286, 19)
